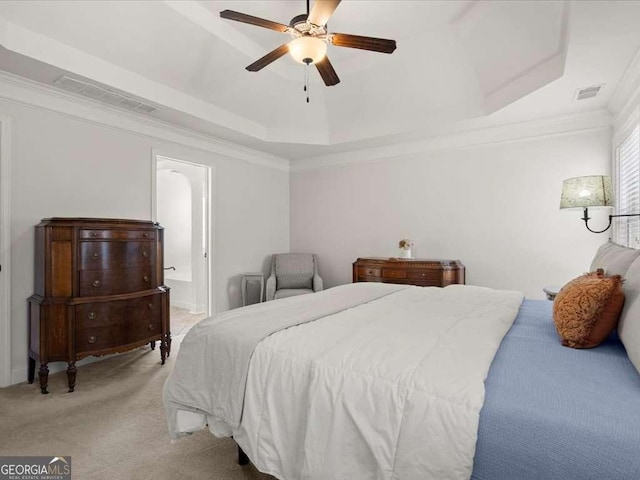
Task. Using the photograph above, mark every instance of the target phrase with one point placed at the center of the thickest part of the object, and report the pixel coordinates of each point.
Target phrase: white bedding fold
(391, 389)
(211, 369)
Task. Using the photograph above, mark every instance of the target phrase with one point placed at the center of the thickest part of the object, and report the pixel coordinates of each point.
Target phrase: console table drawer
(425, 275)
(386, 273)
(369, 272)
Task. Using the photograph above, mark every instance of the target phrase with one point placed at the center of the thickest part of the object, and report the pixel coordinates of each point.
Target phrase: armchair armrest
(317, 283)
(270, 288)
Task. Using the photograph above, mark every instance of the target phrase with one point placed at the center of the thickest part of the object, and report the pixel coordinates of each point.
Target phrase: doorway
(5, 257)
(182, 207)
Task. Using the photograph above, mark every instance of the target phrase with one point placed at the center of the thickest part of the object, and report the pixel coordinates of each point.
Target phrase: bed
(398, 382)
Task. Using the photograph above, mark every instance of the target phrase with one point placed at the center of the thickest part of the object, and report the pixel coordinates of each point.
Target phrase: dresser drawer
(113, 282)
(116, 255)
(394, 274)
(116, 234)
(145, 317)
(434, 276)
(369, 272)
(105, 325)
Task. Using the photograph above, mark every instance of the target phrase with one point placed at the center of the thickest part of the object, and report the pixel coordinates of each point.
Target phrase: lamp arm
(586, 219)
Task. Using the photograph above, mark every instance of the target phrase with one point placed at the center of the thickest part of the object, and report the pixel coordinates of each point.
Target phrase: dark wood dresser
(98, 290)
(411, 271)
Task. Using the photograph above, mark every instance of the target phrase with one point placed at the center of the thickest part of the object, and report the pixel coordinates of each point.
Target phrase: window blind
(627, 230)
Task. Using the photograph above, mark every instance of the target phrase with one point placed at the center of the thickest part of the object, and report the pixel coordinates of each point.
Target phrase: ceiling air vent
(98, 93)
(588, 92)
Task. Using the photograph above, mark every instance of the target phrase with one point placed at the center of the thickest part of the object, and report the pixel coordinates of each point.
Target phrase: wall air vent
(588, 92)
(102, 95)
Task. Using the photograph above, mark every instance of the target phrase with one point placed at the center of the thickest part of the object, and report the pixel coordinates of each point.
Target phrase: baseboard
(19, 375)
(192, 307)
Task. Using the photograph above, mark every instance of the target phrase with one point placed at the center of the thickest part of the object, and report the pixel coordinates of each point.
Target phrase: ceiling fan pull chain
(306, 80)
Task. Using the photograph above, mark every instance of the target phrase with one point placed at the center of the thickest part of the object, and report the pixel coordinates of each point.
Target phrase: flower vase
(405, 253)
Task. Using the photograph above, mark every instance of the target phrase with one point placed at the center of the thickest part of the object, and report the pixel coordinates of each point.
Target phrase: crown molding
(19, 90)
(627, 93)
(478, 137)
(41, 48)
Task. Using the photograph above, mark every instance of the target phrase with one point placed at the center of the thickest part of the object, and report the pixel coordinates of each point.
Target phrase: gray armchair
(293, 274)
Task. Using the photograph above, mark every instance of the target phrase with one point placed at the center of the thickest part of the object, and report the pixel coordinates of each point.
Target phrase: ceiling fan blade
(251, 20)
(327, 72)
(322, 11)
(272, 56)
(381, 45)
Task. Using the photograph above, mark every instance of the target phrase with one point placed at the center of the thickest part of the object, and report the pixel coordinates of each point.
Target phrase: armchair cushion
(293, 280)
(290, 292)
(294, 271)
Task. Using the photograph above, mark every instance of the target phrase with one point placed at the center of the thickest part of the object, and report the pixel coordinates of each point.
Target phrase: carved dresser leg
(168, 344)
(152, 343)
(163, 349)
(71, 375)
(43, 375)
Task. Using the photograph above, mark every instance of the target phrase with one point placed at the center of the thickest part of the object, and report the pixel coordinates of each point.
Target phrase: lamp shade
(307, 48)
(590, 191)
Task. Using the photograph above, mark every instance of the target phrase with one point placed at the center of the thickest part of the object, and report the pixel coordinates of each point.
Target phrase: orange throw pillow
(587, 309)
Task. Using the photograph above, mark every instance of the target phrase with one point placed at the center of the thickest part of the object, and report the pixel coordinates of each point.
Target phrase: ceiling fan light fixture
(307, 49)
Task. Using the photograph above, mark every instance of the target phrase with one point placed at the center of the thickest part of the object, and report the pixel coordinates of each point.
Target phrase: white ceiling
(458, 63)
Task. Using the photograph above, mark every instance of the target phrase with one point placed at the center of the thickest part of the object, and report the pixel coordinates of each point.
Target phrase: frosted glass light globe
(306, 47)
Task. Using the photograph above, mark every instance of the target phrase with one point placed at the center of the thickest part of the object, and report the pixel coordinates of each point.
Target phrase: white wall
(63, 166)
(174, 212)
(493, 207)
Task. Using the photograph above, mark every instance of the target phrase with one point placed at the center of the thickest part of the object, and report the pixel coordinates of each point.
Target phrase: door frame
(5, 251)
(192, 159)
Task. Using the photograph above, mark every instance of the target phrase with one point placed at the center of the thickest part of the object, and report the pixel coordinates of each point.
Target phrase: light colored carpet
(113, 425)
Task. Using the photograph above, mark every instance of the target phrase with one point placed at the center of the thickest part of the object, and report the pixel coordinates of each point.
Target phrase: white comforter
(391, 389)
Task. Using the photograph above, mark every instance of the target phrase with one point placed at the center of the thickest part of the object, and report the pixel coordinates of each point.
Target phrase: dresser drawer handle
(424, 274)
(92, 339)
(151, 305)
(94, 234)
(92, 315)
(96, 283)
(94, 255)
(146, 278)
(145, 254)
(145, 235)
(150, 327)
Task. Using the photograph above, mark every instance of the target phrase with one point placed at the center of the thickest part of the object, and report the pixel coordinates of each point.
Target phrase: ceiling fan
(310, 38)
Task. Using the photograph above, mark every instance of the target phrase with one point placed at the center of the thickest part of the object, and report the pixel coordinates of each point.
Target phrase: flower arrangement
(405, 244)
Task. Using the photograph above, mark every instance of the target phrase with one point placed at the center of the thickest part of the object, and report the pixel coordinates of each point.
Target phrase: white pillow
(614, 259)
(629, 324)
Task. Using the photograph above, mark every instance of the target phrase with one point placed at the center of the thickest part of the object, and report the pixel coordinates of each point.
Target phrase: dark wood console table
(412, 271)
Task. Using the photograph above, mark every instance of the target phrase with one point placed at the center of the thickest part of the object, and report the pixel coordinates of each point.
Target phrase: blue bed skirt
(552, 412)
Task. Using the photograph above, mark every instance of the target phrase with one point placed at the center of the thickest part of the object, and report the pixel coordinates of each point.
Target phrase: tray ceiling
(457, 61)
